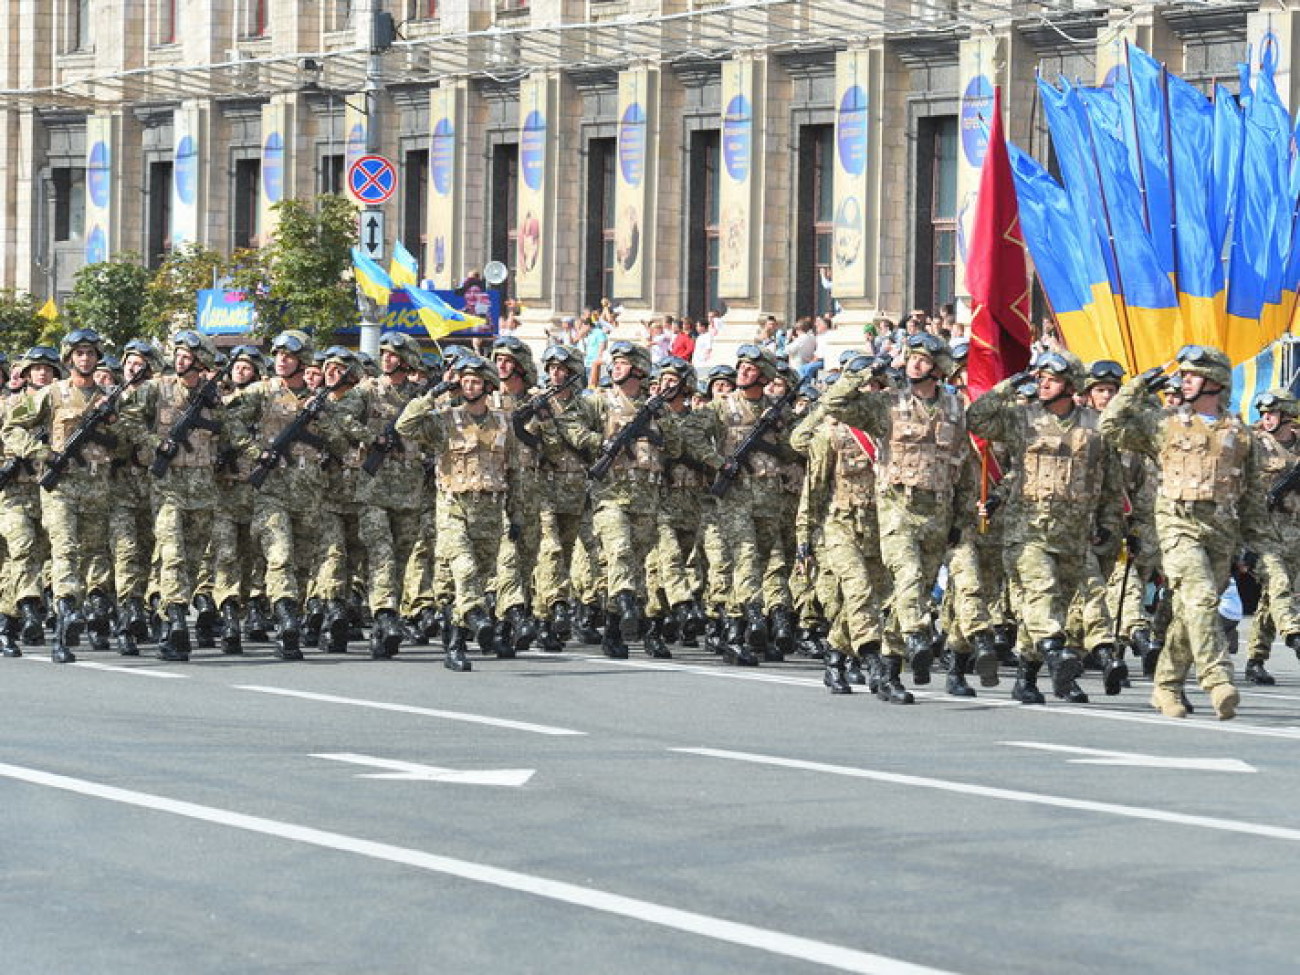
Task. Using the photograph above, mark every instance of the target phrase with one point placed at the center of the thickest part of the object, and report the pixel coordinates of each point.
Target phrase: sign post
(371, 182)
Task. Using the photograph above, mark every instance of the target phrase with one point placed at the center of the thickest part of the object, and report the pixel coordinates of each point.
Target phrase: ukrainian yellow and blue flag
(372, 279)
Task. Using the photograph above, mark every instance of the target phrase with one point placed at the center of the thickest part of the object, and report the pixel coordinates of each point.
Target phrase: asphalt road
(569, 813)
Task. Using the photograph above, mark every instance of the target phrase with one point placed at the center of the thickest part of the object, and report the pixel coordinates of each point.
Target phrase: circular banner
(98, 177)
(851, 131)
(532, 150)
(96, 245)
(976, 108)
(442, 156)
(185, 170)
(273, 167)
(356, 144)
(631, 144)
(737, 138)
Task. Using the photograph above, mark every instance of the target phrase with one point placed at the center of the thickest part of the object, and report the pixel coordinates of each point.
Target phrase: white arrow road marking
(411, 772)
(1100, 756)
(591, 898)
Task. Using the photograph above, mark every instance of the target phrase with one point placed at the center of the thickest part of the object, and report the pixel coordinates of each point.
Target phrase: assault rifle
(522, 416)
(388, 441)
(204, 397)
(1286, 482)
(10, 469)
(632, 431)
(87, 432)
(753, 441)
(295, 432)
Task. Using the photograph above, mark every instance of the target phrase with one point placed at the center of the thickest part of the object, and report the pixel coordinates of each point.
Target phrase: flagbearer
(1210, 502)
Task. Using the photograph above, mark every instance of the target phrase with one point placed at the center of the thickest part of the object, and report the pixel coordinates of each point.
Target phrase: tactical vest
(926, 448)
(526, 458)
(1200, 462)
(384, 402)
(234, 465)
(281, 406)
(854, 484)
(567, 460)
(1275, 459)
(1062, 462)
(68, 405)
(475, 456)
(740, 415)
(173, 398)
(645, 457)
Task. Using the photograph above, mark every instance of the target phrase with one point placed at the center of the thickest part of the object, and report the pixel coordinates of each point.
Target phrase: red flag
(996, 274)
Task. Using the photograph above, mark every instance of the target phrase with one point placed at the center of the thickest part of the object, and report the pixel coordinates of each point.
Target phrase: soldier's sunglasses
(749, 352)
(508, 343)
(560, 354)
(1106, 369)
(1265, 402)
(1196, 355)
(1052, 362)
(246, 352)
(42, 353)
(288, 343)
(925, 342)
(621, 347)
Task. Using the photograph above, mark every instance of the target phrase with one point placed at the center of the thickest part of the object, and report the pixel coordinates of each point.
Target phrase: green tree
(109, 297)
(20, 324)
(172, 295)
(301, 277)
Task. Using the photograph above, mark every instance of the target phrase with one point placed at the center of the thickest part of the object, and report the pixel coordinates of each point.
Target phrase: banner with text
(443, 264)
(99, 188)
(186, 175)
(537, 132)
(276, 126)
(742, 108)
(634, 179)
(980, 72)
(852, 174)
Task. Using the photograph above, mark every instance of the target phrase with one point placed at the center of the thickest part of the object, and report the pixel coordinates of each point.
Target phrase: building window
(158, 203)
(936, 212)
(415, 204)
(511, 6)
(342, 15)
(79, 25)
(258, 18)
(815, 228)
(166, 33)
(69, 185)
(504, 217)
(703, 236)
(421, 9)
(331, 173)
(245, 203)
(599, 278)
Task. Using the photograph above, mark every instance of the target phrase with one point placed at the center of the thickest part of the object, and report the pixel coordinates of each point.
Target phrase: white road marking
(93, 665)
(1098, 756)
(1010, 795)
(648, 912)
(412, 772)
(537, 729)
(710, 671)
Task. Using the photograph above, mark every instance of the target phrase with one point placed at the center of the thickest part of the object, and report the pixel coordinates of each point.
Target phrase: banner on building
(356, 130)
(186, 145)
(276, 129)
(445, 167)
(851, 180)
(742, 107)
(99, 188)
(980, 67)
(634, 180)
(537, 132)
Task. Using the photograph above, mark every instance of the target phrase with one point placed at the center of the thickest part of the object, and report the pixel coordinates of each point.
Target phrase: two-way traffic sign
(372, 234)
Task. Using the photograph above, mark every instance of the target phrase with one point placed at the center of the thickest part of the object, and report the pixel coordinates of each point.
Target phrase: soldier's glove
(1250, 559)
(513, 532)
(729, 470)
(168, 449)
(1154, 379)
(1100, 536)
(993, 503)
(1020, 378)
(954, 535)
(1134, 544)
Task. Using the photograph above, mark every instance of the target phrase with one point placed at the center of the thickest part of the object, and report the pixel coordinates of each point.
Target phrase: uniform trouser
(182, 535)
(717, 556)
(75, 516)
(1089, 623)
(26, 544)
(627, 534)
(749, 521)
(850, 550)
(1124, 597)
(776, 574)
(1048, 574)
(975, 576)
(338, 550)
(587, 572)
(518, 556)
(289, 538)
(470, 527)
(551, 581)
(233, 560)
(914, 528)
(1198, 562)
(418, 591)
(1277, 605)
(668, 580)
(130, 534)
(389, 535)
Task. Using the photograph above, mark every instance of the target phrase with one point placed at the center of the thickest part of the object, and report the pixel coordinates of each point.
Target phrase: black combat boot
(784, 635)
(385, 635)
(629, 616)
(288, 633)
(231, 640)
(313, 618)
(891, 689)
(523, 628)
(335, 627)
(986, 657)
(590, 622)
(127, 646)
(690, 621)
(957, 669)
(550, 640)
(99, 621)
(206, 619)
(33, 629)
(428, 623)
(874, 664)
(1256, 673)
(1065, 666)
(8, 645)
(561, 619)
(456, 640)
(1114, 671)
(1155, 645)
(175, 643)
(735, 649)
(853, 672)
(1004, 641)
(257, 626)
(756, 628)
(1026, 689)
(67, 629)
(481, 629)
(919, 648)
(1293, 641)
(654, 640)
(136, 618)
(715, 638)
(834, 676)
(612, 644)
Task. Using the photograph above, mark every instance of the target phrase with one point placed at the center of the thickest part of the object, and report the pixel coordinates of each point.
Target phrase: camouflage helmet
(517, 350)
(934, 348)
(404, 347)
(676, 366)
(757, 356)
(474, 365)
(112, 365)
(1278, 400)
(198, 345)
(630, 352)
(295, 342)
(1104, 371)
(147, 351)
(960, 351)
(430, 362)
(1065, 365)
(40, 355)
(1207, 362)
(78, 337)
(340, 356)
(369, 367)
(250, 354)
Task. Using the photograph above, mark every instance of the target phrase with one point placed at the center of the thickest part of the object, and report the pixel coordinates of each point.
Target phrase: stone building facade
(672, 155)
